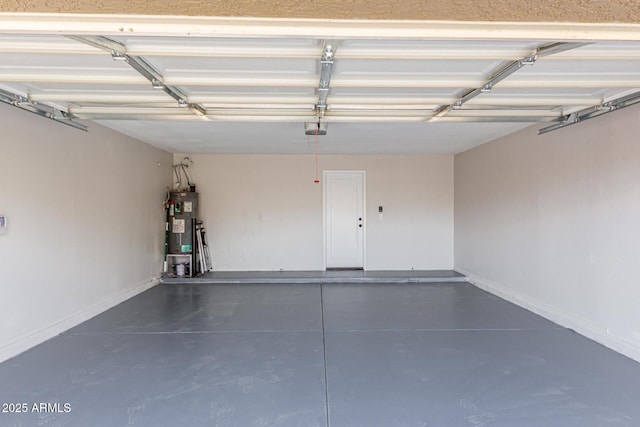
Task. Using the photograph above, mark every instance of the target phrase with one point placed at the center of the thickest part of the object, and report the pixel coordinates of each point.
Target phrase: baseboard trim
(582, 326)
(39, 336)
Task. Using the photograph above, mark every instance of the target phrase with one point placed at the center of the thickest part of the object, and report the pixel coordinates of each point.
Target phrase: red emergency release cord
(317, 180)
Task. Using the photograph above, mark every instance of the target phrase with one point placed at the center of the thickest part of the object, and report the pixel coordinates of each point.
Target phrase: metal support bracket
(42, 110)
(118, 51)
(505, 72)
(326, 67)
(595, 111)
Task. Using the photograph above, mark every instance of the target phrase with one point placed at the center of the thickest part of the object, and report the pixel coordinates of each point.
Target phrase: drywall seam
(24, 343)
(556, 315)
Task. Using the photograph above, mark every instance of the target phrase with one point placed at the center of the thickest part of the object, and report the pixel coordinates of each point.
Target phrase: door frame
(363, 173)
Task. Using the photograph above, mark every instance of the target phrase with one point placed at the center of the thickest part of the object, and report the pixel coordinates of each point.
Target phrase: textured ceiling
(627, 11)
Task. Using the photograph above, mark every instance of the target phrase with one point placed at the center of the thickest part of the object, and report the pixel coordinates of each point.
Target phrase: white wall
(553, 223)
(264, 212)
(85, 224)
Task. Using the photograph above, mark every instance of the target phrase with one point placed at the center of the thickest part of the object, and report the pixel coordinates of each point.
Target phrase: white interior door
(344, 218)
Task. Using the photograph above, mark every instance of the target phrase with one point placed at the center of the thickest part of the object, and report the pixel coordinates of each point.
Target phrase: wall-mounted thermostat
(3, 224)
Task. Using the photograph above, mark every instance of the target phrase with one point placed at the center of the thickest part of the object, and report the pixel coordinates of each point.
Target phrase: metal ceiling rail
(595, 111)
(119, 52)
(555, 48)
(505, 72)
(42, 110)
(326, 67)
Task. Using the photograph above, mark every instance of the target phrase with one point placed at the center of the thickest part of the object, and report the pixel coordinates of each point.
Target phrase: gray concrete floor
(318, 355)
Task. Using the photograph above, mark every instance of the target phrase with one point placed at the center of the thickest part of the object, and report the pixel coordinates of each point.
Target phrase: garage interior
(496, 274)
